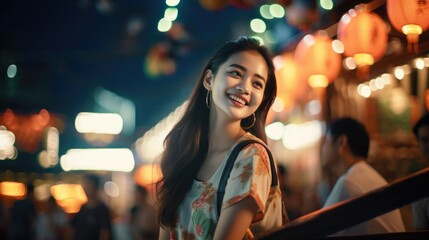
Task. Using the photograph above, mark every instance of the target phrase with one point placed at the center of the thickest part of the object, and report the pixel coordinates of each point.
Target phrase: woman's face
(238, 86)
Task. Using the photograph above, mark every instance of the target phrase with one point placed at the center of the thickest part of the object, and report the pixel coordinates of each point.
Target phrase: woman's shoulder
(254, 148)
(250, 136)
(258, 141)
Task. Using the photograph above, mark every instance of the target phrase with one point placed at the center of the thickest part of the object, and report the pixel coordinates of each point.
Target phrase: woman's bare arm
(236, 219)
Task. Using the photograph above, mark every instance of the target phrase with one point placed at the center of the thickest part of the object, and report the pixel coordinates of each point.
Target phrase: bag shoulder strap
(230, 163)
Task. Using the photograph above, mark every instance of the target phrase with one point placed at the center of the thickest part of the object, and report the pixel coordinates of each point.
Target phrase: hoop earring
(208, 99)
(253, 123)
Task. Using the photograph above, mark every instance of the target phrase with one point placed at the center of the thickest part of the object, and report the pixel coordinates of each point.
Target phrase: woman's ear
(208, 78)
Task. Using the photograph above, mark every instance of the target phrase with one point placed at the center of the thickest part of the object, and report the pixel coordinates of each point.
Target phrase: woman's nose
(243, 88)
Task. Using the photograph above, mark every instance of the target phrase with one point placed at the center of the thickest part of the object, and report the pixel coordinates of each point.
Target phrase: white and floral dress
(250, 176)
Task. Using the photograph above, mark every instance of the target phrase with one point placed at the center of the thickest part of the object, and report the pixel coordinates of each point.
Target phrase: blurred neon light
(7, 141)
(275, 130)
(108, 123)
(298, 136)
(49, 157)
(7, 138)
(112, 102)
(107, 159)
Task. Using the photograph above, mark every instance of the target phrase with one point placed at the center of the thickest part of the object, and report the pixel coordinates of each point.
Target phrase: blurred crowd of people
(28, 220)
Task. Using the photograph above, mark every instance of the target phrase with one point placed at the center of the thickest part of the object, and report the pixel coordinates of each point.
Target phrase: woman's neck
(222, 135)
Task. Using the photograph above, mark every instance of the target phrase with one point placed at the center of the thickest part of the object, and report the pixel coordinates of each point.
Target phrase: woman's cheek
(258, 98)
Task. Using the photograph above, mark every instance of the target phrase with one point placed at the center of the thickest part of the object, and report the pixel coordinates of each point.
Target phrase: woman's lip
(243, 103)
(235, 103)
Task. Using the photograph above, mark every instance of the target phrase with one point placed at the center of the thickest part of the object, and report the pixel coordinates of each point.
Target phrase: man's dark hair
(423, 121)
(357, 136)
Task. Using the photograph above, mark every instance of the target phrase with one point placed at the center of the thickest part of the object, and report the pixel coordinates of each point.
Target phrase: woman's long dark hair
(186, 145)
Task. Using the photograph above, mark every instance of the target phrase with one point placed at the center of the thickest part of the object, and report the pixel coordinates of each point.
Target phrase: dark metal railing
(326, 221)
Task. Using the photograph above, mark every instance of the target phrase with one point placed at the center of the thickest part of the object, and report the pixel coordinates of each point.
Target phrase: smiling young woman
(229, 104)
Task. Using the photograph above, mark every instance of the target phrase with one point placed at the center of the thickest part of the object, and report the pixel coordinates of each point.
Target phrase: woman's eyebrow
(244, 69)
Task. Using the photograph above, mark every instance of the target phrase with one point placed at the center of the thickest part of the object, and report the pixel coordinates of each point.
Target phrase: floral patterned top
(250, 176)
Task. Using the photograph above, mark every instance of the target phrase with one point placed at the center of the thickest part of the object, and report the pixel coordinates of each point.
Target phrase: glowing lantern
(364, 36)
(410, 18)
(319, 63)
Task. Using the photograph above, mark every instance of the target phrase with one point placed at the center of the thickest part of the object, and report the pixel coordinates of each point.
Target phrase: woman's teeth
(237, 99)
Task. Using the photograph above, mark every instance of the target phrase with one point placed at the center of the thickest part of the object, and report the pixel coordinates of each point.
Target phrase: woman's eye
(259, 85)
(235, 73)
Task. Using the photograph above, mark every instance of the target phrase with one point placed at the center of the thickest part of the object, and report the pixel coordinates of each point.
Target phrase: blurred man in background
(345, 151)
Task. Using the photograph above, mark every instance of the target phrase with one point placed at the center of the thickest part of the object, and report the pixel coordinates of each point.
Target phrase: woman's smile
(238, 100)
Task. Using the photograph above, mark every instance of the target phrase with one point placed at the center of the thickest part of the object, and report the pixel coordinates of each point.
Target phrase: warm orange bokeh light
(287, 76)
(70, 205)
(69, 196)
(13, 189)
(410, 18)
(147, 174)
(290, 84)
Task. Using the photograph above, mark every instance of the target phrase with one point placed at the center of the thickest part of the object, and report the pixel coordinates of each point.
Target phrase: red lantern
(364, 35)
(319, 63)
(409, 17)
